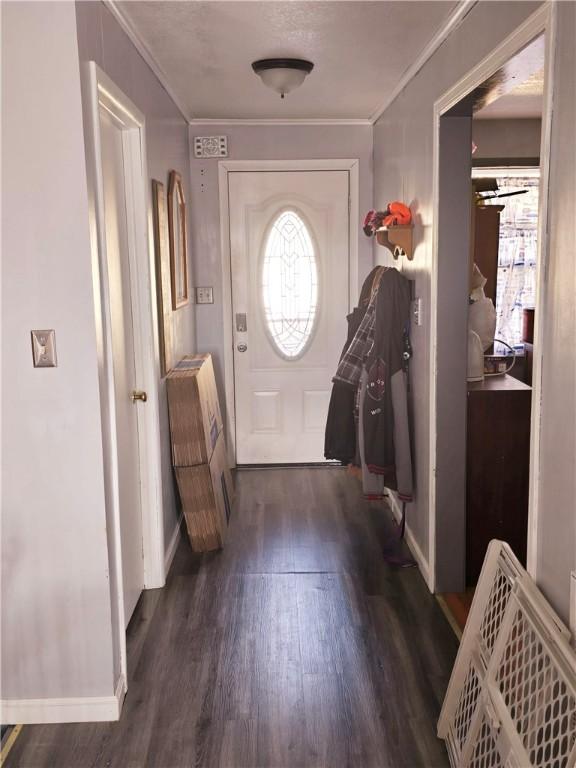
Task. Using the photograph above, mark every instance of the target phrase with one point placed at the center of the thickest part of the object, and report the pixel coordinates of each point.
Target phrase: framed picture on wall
(163, 279)
(177, 234)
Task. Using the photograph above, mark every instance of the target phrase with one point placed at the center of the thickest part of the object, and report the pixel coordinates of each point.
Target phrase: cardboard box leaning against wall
(194, 410)
(199, 451)
(207, 494)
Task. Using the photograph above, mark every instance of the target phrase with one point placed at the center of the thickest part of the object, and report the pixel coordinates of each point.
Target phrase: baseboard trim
(413, 545)
(89, 709)
(449, 617)
(173, 545)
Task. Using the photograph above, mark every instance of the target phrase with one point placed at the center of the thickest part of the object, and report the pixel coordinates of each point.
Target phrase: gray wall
(56, 631)
(101, 39)
(406, 173)
(507, 138)
(452, 349)
(262, 142)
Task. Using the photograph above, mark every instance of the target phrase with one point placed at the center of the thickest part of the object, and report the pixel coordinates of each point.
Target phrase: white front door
(119, 285)
(289, 240)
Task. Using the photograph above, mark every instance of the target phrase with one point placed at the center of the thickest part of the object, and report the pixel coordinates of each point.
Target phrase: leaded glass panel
(290, 284)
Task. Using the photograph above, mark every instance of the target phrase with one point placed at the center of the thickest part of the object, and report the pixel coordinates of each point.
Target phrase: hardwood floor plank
(329, 723)
(239, 744)
(296, 646)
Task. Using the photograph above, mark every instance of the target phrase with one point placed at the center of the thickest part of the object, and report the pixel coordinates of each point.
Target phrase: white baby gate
(511, 701)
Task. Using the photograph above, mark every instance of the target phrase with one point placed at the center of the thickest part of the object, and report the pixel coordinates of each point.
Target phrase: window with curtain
(516, 282)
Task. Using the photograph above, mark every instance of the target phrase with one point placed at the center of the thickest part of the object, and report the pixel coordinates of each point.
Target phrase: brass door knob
(138, 395)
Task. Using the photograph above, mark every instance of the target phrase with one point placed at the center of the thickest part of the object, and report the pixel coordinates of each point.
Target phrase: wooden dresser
(486, 244)
(497, 468)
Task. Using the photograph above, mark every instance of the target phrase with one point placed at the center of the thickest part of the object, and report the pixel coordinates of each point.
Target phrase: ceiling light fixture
(282, 75)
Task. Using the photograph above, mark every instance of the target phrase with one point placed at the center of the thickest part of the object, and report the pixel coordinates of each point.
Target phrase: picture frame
(163, 277)
(177, 231)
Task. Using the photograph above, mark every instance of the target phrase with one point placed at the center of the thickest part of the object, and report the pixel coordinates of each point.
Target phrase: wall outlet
(204, 295)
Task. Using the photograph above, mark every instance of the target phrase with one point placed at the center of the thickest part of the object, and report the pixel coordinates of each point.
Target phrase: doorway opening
(492, 175)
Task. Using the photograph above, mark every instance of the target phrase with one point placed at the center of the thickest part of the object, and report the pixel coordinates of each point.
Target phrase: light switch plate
(204, 295)
(572, 617)
(417, 311)
(44, 349)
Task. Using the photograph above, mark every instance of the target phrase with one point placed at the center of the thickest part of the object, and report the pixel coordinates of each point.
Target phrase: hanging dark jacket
(385, 416)
(340, 435)
(378, 347)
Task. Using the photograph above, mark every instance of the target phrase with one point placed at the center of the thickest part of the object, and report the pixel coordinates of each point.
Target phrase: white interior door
(289, 244)
(118, 263)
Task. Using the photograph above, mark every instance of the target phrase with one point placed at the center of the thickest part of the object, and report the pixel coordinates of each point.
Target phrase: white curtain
(516, 256)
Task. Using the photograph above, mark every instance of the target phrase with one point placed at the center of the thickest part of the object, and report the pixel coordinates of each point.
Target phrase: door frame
(99, 91)
(542, 21)
(226, 167)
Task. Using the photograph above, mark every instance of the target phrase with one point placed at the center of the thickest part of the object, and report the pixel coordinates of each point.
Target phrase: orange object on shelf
(398, 215)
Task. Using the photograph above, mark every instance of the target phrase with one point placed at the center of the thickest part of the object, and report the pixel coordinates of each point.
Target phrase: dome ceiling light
(282, 75)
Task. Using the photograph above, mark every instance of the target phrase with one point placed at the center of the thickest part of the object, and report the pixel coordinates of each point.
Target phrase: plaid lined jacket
(352, 361)
(378, 347)
(340, 436)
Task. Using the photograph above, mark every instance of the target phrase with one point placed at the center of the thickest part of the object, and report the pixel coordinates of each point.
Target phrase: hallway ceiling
(524, 101)
(360, 51)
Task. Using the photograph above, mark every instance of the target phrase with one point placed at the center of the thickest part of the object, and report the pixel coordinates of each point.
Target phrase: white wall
(557, 529)
(506, 138)
(101, 39)
(56, 631)
(262, 142)
(406, 173)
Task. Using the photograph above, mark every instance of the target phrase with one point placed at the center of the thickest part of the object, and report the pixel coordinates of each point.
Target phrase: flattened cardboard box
(207, 494)
(194, 410)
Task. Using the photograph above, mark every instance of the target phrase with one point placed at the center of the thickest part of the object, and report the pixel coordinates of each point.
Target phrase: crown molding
(452, 22)
(146, 53)
(279, 121)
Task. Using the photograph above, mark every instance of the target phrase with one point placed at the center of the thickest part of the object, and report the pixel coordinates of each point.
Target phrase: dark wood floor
(295, 646)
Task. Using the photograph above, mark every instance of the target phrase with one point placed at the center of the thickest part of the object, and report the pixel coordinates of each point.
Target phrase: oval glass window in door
(290, 285)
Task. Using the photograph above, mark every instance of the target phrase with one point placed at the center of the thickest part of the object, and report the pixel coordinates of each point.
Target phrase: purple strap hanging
(393, 554)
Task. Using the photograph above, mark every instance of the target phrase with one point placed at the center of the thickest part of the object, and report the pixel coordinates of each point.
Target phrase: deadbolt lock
(242, 347)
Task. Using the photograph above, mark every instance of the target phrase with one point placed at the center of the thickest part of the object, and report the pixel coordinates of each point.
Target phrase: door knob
(242, 347)
(138, 395)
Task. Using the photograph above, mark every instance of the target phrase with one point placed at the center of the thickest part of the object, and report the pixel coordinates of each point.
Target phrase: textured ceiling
(360, 50)
(523, 101)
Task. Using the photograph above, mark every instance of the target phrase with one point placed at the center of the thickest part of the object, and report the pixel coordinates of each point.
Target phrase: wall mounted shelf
(397, 239)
